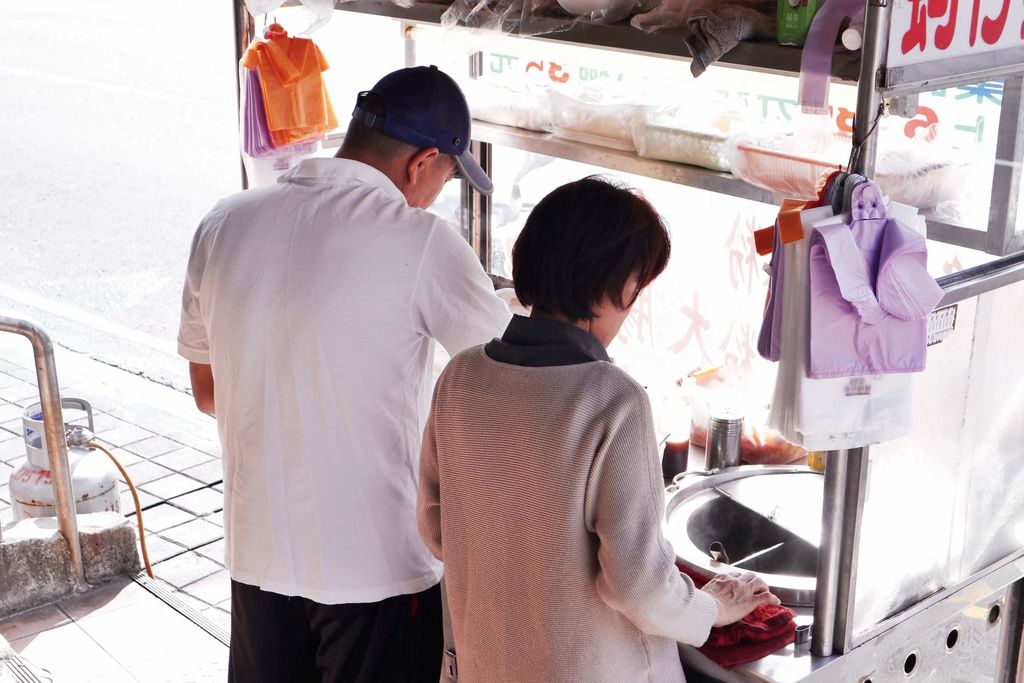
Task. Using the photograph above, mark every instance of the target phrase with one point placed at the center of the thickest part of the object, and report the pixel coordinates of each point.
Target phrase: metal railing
(56, 442)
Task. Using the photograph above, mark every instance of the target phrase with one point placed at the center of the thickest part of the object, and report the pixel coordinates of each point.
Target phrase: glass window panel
(703, 312)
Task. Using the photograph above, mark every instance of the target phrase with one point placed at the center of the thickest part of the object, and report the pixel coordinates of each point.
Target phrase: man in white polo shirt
(308, 318)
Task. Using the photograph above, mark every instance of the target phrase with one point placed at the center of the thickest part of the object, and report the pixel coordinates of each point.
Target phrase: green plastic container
(793, 19)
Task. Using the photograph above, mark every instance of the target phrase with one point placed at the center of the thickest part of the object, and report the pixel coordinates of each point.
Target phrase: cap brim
(471, 171)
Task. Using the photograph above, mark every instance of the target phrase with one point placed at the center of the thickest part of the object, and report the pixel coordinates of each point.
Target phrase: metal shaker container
(725, 429)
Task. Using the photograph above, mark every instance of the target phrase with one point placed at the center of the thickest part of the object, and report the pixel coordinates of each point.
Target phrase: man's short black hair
(362, 138)
(582, 243)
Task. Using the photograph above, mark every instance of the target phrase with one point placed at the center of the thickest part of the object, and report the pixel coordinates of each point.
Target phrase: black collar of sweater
(536, 342)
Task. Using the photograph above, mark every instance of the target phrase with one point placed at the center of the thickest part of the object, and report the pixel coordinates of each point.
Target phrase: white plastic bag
(507, 107)
(835, 413)
(685, 136)
(602, 123)
(322, 11)
(926, 171)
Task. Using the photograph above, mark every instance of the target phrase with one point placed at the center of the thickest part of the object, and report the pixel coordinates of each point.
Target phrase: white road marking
(102, 85)
(88, 319)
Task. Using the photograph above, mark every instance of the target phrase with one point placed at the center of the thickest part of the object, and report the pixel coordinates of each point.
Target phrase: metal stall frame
(880, 90)
(56, 441)
(878, 87)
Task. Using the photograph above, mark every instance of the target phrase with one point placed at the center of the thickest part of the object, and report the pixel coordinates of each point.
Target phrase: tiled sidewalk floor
(168, 448)
(116, 633)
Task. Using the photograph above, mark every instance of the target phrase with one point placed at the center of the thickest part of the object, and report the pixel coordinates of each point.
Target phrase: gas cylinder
(93, 476)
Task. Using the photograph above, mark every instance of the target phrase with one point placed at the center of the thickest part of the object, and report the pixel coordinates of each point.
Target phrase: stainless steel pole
(849, 554)
(1008, 657)
(1002, 217)
(477, 206)
(869, 96)
(839, 535)
(245, 29)
(409, 39)
(829, 552)
(56, 443)
(480, 209)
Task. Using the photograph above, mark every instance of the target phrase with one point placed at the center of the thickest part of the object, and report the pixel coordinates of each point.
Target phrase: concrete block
(108, 545)
(36, 563)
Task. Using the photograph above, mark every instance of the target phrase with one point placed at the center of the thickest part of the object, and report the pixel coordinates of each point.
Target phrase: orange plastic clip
(788, 222)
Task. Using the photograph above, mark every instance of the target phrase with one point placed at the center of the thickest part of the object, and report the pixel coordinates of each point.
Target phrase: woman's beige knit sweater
(541, 491)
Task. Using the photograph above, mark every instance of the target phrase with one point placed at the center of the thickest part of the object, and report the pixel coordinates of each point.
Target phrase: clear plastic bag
(716, 389)
(666, 15)
(507, 107)
(607, 123)
(535, 17)
(684, 136)
(322, 11)
(749, 18)
(925, 171)
(522, 17)
(791, 159)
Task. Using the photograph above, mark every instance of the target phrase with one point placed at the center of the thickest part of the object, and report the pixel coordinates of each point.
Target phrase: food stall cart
(906, 557)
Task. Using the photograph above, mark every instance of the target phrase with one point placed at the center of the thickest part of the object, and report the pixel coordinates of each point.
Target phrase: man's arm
(202, 386)
(428, 502)
(454, 301)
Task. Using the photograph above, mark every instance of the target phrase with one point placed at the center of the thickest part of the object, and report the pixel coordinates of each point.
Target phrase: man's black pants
(279, 639)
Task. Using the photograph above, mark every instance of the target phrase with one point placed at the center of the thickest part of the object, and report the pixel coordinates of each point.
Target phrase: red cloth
(767, 629)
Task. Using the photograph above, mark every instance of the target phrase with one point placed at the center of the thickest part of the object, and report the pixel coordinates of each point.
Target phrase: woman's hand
(737, 594)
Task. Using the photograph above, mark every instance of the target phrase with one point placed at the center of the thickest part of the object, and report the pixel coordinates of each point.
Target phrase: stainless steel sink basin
(764, 519)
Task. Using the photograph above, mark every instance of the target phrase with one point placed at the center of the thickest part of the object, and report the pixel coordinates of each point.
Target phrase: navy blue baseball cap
(424, 107)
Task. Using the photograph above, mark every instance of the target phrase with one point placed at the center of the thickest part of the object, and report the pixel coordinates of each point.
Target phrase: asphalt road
(118, 122)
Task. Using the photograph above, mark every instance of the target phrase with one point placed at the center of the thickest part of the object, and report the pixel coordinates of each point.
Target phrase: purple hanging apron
(870, 293)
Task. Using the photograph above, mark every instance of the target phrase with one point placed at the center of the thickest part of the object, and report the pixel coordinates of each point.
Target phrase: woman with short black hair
(607, 235)
(540, 486)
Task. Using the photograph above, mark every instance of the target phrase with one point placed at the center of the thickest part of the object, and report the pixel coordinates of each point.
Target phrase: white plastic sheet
(322, 11)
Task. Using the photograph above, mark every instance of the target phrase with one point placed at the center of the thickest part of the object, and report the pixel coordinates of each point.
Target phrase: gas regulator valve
(79, 436)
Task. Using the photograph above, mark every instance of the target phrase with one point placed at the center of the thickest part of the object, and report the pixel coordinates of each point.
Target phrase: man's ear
(419, 162)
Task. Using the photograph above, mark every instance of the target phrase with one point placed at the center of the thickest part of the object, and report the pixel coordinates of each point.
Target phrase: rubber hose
(138, 506)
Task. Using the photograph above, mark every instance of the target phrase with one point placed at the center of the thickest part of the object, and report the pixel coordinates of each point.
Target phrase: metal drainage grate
(179, 606)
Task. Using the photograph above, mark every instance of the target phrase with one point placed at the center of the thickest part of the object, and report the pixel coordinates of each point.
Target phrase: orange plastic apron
(296, 101)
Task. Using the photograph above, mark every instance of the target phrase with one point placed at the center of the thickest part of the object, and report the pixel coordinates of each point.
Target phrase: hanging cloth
(816, 59)
(870, 293)
(788, 228)
(295, 99)
(833, 413)
(256, 140)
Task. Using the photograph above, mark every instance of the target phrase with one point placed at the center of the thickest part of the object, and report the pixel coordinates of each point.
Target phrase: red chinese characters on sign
(916, 36)
(739, 347)
(991, 27)
(742, 254)
(639, 326)
(952, 266)
(844, 120)
(925, 117)
(698, 326)
(555, 71)
(946, 14)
